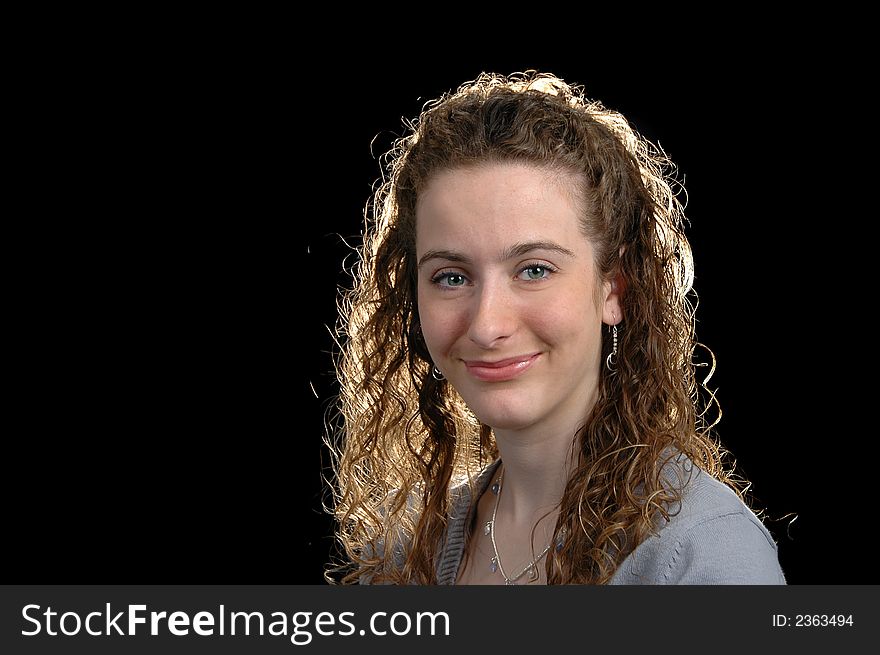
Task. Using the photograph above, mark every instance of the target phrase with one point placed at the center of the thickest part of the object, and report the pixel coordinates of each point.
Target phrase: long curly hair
(405, 439)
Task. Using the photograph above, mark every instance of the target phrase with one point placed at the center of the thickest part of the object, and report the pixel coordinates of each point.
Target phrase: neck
(538, 460)
(537, 465)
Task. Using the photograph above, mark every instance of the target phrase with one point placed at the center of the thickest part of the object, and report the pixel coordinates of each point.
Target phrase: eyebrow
(516, 250)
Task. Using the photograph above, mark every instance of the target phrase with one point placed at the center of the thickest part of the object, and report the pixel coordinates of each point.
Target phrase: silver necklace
(489, 529)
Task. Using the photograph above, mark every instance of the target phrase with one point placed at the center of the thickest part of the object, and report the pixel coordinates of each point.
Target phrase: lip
(501, 370)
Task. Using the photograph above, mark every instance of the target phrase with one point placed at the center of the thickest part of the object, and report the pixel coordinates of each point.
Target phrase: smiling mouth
(504, 369)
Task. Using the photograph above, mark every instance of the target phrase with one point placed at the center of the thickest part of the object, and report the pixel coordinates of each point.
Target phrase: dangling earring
(438, 374)
(613, 353)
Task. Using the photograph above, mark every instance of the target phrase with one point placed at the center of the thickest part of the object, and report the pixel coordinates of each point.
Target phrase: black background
(189, 207)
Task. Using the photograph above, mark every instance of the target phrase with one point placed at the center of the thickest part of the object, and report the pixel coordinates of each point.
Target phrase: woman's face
(509, 301)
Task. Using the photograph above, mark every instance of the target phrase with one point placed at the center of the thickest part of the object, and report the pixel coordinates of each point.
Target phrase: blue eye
(534, 272)
(449, 280)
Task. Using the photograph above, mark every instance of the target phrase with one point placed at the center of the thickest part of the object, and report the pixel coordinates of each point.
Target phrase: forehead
(492, 205)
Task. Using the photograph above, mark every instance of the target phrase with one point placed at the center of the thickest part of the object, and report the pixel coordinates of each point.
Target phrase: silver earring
(613, 353)
(438, 374)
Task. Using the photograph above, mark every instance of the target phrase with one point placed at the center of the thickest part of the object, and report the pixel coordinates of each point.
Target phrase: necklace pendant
(493, 565)
(508, 582)
(487, 530)
(533, 571)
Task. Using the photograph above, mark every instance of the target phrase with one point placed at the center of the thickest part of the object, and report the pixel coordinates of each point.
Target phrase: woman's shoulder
(711, 537)
(705, 498)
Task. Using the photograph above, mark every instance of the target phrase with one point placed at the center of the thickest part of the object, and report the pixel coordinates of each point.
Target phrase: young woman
(518, 389)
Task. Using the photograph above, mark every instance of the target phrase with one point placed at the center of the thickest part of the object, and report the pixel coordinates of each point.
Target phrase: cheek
(551, 323)
(438, 324)
(566, 323)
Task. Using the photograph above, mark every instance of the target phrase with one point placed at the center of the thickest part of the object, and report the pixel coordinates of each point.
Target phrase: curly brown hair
(406, 438)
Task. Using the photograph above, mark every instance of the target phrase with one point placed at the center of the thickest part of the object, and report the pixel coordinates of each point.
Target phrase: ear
(612, 307)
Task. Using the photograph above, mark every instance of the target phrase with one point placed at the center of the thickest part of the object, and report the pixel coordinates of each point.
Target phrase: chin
(508, 423)
(500, 417)
(504, 406)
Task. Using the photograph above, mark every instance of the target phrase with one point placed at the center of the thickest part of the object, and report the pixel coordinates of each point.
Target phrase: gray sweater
(714, 539)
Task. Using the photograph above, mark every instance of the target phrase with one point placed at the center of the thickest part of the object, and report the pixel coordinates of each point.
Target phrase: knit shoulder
(711, 537)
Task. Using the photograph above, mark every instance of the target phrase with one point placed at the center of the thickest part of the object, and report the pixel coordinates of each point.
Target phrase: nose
(493, 316)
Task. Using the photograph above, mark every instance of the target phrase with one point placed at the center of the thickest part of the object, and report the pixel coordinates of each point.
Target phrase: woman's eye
(450, 279)
(535, 272)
